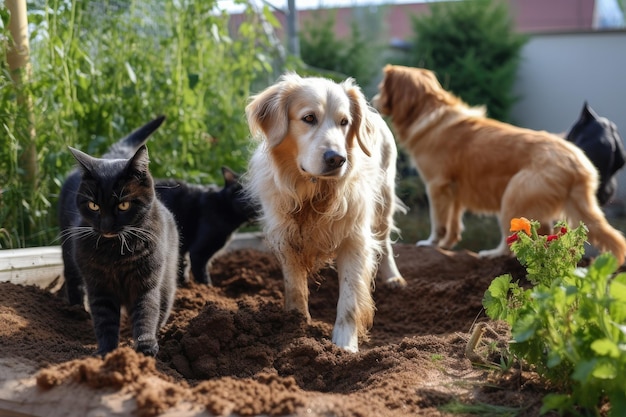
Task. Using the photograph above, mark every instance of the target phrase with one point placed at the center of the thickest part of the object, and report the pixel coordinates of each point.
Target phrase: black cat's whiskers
(128, 232)
(78, 232)
(144, 234)
(85, 195)
(124, 243)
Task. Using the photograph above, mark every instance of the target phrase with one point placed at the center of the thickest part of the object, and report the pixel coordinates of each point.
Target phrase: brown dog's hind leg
(441, 202)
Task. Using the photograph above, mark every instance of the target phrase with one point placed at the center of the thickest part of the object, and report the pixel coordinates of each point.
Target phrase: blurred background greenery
(100, 69)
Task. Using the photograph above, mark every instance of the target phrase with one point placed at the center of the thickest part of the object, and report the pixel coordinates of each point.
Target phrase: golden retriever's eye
(310, 119)
(123, 206)
(344, 122)
(93, 206)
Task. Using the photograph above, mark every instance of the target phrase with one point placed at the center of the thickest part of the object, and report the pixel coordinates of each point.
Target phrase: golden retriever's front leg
(296, 285)
(355, 307)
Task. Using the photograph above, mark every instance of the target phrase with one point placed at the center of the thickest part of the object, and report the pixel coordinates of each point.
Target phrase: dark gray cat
(120, 243)
(207, 216)
(598, 137)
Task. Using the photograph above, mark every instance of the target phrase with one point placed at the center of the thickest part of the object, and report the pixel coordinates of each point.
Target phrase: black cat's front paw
(206, 279)
(99, 354)
(202, 276)
(147, 345)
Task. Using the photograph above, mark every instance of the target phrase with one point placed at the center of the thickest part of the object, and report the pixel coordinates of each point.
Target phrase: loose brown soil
(231, 349)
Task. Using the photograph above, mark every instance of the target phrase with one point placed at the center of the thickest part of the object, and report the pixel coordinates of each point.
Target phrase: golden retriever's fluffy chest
(318, 224)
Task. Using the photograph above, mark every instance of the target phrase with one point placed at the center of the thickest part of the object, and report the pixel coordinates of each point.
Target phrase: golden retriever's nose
(333, 160)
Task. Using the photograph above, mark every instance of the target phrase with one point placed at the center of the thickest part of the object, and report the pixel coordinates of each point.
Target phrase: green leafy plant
(570, 326)
(101, 69)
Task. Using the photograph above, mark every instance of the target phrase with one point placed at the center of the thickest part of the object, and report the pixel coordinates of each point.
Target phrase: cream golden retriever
(324, 175)
(470, 162)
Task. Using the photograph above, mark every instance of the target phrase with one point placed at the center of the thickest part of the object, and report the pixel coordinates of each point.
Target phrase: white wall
(559, 72)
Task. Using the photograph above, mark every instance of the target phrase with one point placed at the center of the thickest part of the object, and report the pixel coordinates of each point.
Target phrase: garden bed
(231, 350)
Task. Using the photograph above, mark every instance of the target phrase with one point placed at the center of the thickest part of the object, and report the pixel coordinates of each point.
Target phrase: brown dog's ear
(268, 111)
(362, 128)
(384, 98)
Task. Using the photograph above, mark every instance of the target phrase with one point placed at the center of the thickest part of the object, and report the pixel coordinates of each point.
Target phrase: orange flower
(521, 223)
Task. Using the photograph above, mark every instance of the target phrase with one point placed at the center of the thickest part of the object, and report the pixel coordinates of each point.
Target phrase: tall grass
(102, 69)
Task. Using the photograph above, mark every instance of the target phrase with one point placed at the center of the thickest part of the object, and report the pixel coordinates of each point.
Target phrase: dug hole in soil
(230, 349)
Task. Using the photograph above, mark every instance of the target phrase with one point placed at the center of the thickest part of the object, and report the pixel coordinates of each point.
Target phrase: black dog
(598, 138)
(207, 216)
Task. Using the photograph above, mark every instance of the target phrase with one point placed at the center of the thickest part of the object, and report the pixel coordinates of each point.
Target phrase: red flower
(563, 230)
(512, 239)
(552, 237)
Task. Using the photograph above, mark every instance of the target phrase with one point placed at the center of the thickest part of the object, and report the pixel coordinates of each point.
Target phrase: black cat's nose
(333, 160)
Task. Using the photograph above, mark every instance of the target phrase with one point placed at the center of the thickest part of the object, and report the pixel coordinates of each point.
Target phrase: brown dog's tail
(601, 233)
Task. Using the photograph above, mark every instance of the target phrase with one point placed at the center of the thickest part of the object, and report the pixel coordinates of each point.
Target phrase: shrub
(356, 56)
(473, 49)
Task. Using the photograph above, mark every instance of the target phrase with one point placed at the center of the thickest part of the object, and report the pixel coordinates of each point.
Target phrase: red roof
(530, 16)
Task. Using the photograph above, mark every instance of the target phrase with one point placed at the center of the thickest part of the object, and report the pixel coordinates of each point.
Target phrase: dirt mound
(231, 348)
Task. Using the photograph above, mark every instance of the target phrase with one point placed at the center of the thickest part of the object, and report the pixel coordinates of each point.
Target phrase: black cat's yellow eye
(124, 205)
(93, 206)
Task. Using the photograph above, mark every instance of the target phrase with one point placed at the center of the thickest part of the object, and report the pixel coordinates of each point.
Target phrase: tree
(356, 56)
(473, 49)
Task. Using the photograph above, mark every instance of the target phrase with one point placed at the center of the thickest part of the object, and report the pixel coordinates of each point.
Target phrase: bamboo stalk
(18, 58)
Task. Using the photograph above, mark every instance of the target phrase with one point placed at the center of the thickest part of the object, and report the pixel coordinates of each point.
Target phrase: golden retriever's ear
(362, 128)
(268, 111)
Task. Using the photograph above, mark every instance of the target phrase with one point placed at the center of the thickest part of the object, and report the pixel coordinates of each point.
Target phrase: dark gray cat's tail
(125, 148)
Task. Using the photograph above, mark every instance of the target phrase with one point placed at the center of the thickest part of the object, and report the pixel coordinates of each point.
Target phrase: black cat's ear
(588, 113)
(140, 161)
(230, 176)
(85, 161)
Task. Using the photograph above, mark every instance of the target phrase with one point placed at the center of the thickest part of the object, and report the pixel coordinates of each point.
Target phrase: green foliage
(356, 56)
(480, 409)
(102, 69)
(571, 325)
(472, 48)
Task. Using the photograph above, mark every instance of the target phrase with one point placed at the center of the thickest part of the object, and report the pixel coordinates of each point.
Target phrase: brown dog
(324, 176)
(470, 162)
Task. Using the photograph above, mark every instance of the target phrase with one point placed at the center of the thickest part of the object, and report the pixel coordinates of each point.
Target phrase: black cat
(120, 242)
(598, 138)
(207, 216)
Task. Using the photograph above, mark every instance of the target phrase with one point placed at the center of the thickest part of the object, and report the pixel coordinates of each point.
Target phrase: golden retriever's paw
(427, 242)
(395, 282)
(346, 337)
(448, 243)
(494, 253)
